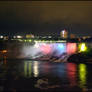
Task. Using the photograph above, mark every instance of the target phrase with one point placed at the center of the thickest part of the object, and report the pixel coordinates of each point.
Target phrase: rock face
(79, 58)
(51, 58)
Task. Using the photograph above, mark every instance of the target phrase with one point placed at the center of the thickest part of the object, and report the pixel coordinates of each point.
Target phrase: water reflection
(82, 75)
(66, 75)
(72, 73)
(61, 70)
(30, 70)
(35, 69)
(27, 69)
(45, 68)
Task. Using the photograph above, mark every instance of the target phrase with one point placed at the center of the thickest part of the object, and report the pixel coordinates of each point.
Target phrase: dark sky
(47, 17)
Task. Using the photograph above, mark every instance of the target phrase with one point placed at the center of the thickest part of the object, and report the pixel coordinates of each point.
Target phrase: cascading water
(60, 50)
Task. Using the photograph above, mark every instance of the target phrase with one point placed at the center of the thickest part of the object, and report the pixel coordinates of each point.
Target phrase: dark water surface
(25, 75)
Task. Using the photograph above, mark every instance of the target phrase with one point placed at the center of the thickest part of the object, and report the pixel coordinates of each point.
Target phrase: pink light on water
(71, 48)
(71, 73)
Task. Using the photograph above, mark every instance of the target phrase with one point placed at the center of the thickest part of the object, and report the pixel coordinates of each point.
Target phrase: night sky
(46, 18)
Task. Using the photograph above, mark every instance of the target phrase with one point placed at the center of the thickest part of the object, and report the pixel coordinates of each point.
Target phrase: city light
(4, 51)
(14, 37)
(30, 40)
(19, 36)
(64, 34)
(1, 37)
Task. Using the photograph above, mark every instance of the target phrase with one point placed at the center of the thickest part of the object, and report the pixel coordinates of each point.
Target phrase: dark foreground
(19, 75)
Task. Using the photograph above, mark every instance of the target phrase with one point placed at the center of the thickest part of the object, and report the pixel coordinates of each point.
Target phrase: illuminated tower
(64, 34)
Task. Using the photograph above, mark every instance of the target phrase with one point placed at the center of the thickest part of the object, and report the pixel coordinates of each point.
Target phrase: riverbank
(83, 57)
(74, 58)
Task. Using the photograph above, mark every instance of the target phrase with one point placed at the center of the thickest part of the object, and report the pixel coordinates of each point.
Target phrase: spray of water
(51, 49)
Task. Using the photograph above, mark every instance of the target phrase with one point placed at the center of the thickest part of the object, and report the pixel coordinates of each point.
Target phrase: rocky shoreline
(74, 58)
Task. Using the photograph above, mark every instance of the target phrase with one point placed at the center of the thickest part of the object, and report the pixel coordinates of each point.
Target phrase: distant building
(64, 34)
(17, 36)
(6, 37)
(29, 36)
(72, 36)
(86, 37)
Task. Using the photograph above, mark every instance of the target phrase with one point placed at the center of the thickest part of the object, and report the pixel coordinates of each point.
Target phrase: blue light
(61, 48)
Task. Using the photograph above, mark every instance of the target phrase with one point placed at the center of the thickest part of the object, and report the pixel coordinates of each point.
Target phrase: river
(26, 75)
